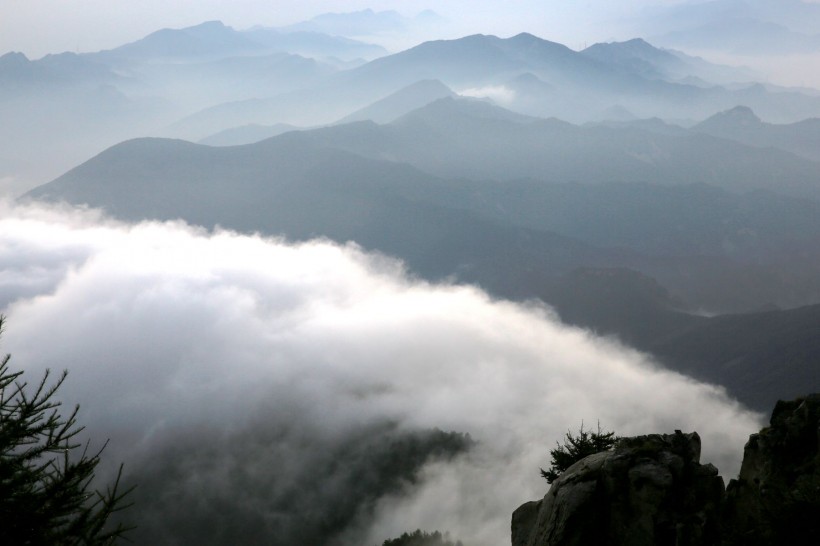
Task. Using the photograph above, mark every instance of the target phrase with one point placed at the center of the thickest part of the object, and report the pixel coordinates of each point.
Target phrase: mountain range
(725, 248)
(194, 82)
(535, 77)
(634, 226)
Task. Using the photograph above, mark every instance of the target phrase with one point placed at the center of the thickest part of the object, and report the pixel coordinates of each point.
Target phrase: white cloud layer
(498, 93)
(167, 329)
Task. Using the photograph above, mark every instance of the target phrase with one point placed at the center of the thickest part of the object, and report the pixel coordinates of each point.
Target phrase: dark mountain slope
(281, 186)
(715, 249)
(620, 302)
(765, 356)
(691, 219)
(758, 357)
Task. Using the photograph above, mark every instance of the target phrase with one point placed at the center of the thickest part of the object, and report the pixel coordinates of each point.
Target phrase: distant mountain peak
(525, 36)
(743, 113)
(448, 109)
(638, 41)
(532, 39)
(207, 25)
(399, 103)
(636, 46)
(208, 38)
(737, 116)
(14, 58)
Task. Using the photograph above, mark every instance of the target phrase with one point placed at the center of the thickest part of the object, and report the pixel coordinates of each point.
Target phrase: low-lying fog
(229, 369)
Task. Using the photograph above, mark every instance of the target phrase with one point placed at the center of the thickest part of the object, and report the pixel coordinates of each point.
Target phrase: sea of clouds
(174, 335)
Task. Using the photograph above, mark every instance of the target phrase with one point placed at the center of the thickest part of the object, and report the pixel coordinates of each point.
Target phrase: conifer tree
(45, 473)
(576, 448)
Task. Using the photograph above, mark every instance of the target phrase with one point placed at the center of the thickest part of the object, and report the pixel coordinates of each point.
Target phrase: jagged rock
(649, 490)
(776, 498)
(652, 490)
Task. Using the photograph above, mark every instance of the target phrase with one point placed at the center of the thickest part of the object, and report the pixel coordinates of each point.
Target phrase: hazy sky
(37, 27)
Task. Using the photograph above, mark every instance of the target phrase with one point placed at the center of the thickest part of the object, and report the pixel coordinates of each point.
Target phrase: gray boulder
(649, 490)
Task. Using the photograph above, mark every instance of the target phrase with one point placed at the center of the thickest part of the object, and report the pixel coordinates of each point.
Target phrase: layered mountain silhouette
(197, 81)
(637, 56)
(209, 39)
(474, 139)
(516, 236)
(541, 78)
(710, 218)
(51, 72)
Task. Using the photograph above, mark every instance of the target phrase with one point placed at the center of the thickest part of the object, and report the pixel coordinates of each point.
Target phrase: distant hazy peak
(636, 46)
(399, 103)
(425, 87)
(206, 28)
(527, 38)
(737, 116)
(513, 46)
(208, 38)
(14, 58)
(448, 108)
(207, 25)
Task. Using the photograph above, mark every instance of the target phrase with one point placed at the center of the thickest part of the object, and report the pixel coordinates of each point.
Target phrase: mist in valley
(325, 278)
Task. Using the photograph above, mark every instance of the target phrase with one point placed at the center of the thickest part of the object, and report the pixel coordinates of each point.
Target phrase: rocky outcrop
(776, 498)
(652, 490)
(648, 490)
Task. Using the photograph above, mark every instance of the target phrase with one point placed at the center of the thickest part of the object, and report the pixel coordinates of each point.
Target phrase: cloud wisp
(253, 376)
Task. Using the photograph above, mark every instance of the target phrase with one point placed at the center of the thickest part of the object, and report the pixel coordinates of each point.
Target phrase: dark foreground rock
(776, 498)
(648, 490)
(652, 490)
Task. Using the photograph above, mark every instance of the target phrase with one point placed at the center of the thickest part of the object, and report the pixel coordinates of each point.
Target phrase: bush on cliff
(576, 448)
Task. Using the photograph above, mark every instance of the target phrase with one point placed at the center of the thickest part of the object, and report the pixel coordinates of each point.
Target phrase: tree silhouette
(45, 474)
(576, 448)
(422, 538)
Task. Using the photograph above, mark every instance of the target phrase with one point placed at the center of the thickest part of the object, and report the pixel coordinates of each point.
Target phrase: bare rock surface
(648, 490)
